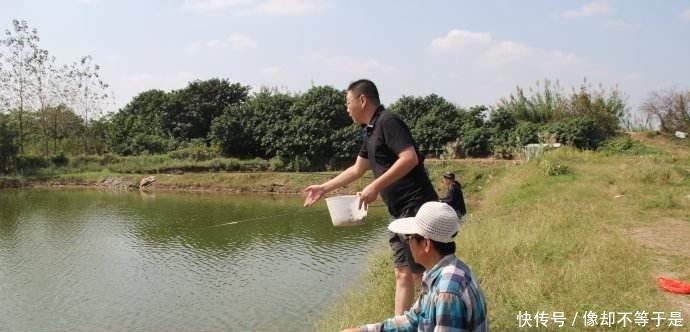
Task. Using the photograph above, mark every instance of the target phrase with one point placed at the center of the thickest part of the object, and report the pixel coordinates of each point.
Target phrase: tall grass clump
(553, 168)
(626, 145)
(652, 173)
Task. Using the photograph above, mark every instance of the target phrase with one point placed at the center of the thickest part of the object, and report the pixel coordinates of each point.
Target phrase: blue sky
(470, 52)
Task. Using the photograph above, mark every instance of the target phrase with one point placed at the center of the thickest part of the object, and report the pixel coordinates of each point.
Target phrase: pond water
(100, 261)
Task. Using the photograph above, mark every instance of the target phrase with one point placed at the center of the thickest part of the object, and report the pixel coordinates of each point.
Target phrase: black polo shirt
(385, 137)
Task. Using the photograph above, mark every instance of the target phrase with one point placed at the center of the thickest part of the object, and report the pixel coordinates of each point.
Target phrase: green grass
(252, 175)
(594, 238)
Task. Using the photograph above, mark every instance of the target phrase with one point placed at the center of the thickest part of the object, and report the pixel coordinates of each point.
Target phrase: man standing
(398, 167)
(454, 198)
(450, 299)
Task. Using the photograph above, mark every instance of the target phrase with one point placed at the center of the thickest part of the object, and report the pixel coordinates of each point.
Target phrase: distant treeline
(311, 130)
(49, 114)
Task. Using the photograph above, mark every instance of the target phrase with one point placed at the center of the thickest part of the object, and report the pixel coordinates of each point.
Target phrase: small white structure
(535, 150)
(681, 134)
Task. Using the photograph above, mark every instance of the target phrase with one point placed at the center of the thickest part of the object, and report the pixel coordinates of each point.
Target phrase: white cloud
(686, 14)
(590, 9)
(621, 25)
(183, 77)
(236, 41)
(459, 40)
(239, 41)
(491, 53)
(496, 66)
(346, 64)
(503, 53)
(141, 78)
(272, 71)
(275, 74)
(212, 5)
(214, 43)
(272, 7)
(290, 7)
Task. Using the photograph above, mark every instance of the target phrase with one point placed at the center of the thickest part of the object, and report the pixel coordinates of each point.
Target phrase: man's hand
(368, 195)
(352, 329)
(314, 193)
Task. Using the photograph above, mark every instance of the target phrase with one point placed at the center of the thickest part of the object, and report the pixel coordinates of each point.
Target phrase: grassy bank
(592, 236)
(474, 174)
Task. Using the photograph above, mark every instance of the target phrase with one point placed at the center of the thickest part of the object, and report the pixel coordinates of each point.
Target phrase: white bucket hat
(434, 220)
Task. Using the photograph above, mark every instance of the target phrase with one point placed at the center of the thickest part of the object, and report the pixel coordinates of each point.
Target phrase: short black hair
(367, 88)
(444, 248)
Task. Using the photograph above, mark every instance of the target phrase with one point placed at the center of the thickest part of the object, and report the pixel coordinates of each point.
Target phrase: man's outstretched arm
(352, 173)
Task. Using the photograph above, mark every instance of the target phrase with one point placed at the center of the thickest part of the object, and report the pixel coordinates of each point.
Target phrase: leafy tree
(317, 115)
(45, 72)
(581, 132)
(65, 130)
(542, 106)
(21, 43)
(410, 109)
(98, 135)
(138, 127)
(270, 113)
(475, 142)
(473, 118)
(433, 121)
(231, 132)
(8, 147)
(525, 133)
(346, 144)
(500, 126)
(190, 111)
(606, 113)
(92, 94)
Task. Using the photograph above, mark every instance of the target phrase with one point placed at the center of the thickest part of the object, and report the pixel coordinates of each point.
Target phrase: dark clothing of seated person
(454, 197)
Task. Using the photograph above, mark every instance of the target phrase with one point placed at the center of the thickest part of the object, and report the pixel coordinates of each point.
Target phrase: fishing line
(233, 222)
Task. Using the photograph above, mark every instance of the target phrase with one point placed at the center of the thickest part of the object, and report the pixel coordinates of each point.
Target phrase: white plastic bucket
(345, 211)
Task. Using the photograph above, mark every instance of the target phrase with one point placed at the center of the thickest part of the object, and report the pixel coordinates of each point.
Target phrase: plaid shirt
(450, 300)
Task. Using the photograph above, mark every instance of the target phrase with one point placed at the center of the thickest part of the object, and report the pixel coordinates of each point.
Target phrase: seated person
(454, 197)
(450, 297)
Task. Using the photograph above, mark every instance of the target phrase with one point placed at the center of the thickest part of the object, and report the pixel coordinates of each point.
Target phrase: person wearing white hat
(450, 299)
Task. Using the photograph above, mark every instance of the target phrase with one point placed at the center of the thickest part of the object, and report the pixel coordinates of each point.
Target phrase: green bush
(110, 158)
(30, 164)
(525, 133)
(143, 144)
(553, 168)
(651, 133)
(59, 160)
(475, 143)
(276, 164)
(581, 133)
(86, 162)
(195, 153)
(232, 164)
(256, 164)
(626, 145)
